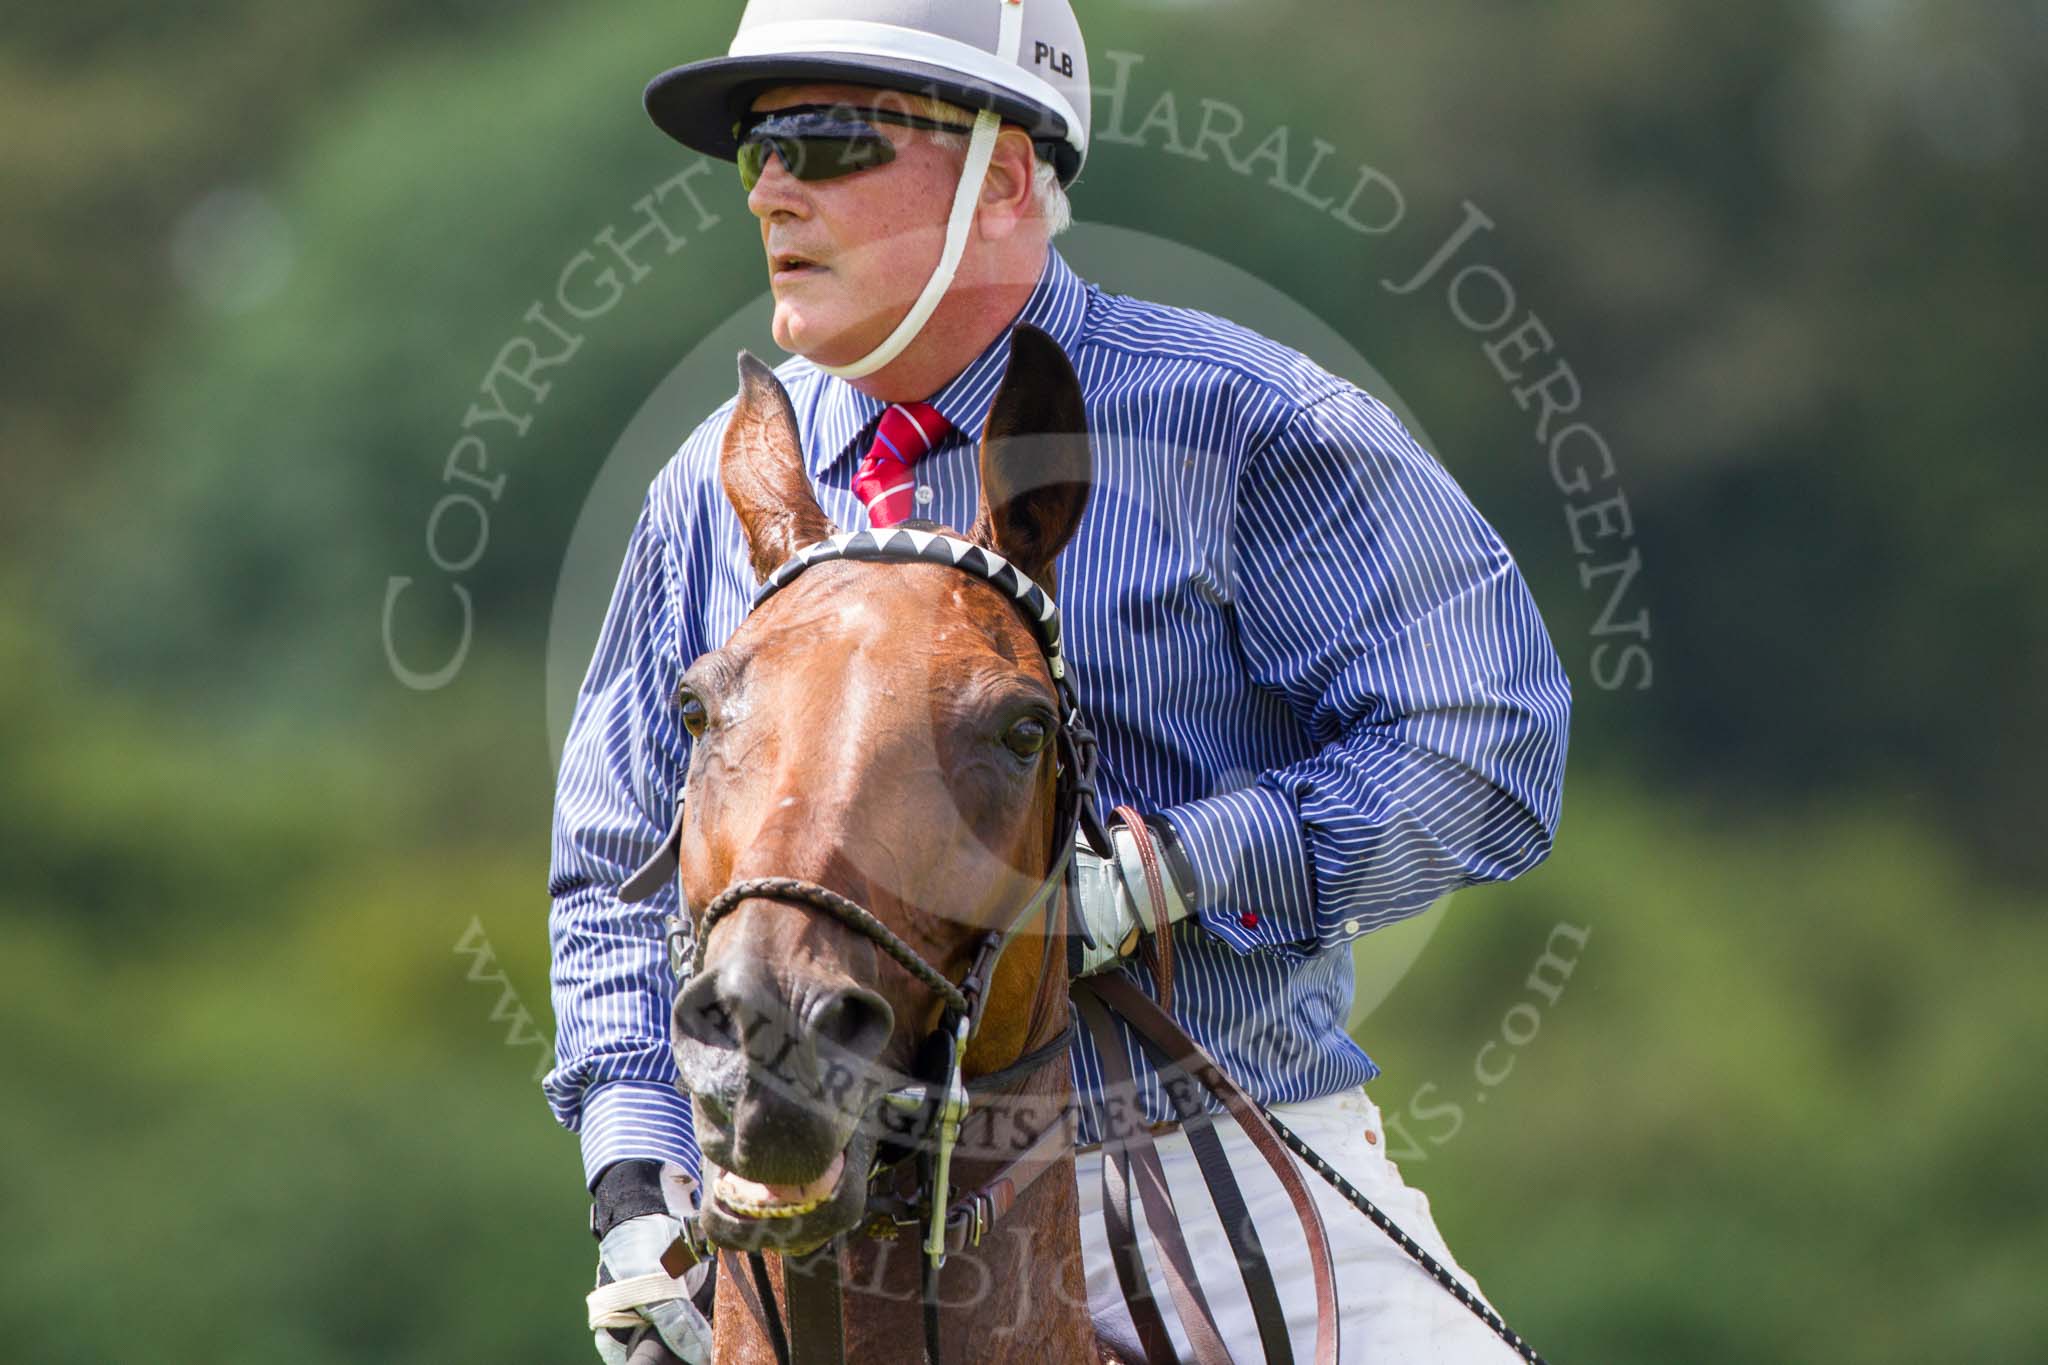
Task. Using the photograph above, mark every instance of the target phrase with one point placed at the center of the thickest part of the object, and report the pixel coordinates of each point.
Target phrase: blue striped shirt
(1295, 638)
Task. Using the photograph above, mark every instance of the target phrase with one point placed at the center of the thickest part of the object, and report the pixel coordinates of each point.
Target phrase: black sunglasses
(823, 142)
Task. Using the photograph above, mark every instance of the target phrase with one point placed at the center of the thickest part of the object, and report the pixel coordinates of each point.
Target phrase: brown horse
(884, 731)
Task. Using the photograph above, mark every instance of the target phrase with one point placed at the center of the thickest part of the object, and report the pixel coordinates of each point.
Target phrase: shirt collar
(1056, 307)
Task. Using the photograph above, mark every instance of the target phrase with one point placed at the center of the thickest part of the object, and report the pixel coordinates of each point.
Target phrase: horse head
(885, 731)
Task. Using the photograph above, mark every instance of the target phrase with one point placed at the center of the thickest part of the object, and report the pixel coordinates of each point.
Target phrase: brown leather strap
(970, 1216)
(1250, 1253)
(757, 1295)
(682, 1255)
(810, 1289)
(1119, 1125)
(1158, 945)
(1122, 1237)
(1153, 1023)
(1046, 995)
(660, 867)
(1132, 1140)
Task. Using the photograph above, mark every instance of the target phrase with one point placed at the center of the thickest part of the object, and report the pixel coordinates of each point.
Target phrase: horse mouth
(744, 1198)
(743, 1214)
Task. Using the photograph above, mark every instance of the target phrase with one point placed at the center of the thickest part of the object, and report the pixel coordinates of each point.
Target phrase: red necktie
(884, 482)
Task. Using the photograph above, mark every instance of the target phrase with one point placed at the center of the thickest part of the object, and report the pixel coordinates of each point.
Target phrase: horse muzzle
(783, 1070)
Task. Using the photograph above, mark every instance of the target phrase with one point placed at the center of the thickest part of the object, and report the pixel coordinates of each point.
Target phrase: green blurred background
(274, 925)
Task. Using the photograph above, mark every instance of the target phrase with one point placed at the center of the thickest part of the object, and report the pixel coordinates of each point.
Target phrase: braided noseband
(840, 908)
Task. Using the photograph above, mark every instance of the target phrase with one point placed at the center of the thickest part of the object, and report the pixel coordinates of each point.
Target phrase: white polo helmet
(953, 50)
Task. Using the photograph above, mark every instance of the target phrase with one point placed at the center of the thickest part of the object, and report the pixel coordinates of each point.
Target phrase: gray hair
(1046, 191)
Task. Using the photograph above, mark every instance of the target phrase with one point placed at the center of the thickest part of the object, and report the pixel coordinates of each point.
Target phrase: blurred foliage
(257, 260)
(122, 115)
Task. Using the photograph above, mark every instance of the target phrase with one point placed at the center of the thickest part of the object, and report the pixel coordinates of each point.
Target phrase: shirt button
(1249, 919)
(1350, 926)
(924, 494)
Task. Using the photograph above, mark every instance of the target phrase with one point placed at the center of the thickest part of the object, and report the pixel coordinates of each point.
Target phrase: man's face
(848, 256)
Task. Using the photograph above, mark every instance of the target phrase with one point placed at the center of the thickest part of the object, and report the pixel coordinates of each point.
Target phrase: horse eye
(1027, 736)
(695, 717)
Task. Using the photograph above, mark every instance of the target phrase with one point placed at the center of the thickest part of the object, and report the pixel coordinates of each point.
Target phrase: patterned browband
(908, 545)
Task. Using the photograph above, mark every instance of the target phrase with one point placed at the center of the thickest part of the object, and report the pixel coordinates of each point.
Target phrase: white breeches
(1392, 1310)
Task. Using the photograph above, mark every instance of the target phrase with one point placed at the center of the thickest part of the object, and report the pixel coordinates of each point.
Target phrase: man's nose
(777, 191)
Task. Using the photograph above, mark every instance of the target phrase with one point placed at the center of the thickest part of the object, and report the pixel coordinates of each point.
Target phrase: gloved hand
(630, 1252)
(1114, 901)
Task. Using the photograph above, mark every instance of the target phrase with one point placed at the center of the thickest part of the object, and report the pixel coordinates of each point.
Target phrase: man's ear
(1035, 462)
(1006, 191)
(762, 468)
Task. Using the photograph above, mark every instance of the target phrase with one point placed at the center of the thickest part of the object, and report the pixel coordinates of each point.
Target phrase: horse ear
(762, 468)
(1035, 463)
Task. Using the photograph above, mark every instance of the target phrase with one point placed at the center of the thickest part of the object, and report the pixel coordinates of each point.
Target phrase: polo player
(1309, 661)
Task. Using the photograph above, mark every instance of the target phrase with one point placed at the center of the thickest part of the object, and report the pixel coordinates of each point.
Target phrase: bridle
(941, 1102)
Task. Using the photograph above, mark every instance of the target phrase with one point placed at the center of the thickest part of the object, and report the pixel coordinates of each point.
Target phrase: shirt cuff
(1254, 886)
(635, 1121)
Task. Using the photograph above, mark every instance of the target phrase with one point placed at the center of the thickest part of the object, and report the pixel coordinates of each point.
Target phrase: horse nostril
(704, 1015)
(855, 1021)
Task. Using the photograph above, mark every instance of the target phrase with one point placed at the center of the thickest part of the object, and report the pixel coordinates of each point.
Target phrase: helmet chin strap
(980, 149)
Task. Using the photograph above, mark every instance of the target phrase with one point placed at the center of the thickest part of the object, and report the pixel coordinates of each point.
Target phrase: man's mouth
(789, 265)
